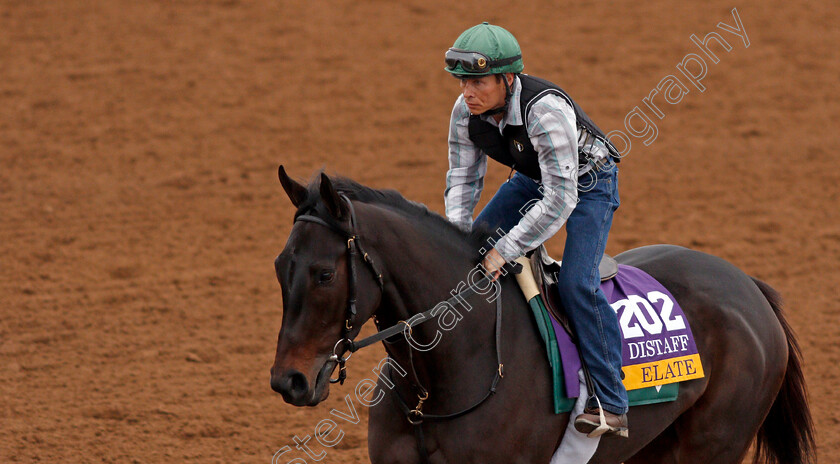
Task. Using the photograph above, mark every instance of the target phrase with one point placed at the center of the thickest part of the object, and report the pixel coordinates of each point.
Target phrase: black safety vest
(513, 147)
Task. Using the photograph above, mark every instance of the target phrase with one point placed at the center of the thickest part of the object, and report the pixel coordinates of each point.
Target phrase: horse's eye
(326, 276)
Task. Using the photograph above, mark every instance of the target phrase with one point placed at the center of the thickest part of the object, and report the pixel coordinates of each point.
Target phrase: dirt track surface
(140, 211)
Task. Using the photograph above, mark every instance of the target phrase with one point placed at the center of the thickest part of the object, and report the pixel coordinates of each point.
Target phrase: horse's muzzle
(293, 385)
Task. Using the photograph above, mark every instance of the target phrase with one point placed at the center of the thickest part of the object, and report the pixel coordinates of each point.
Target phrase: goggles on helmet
(474, 62)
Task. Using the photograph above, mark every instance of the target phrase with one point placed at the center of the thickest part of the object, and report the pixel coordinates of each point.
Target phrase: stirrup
(603, 427)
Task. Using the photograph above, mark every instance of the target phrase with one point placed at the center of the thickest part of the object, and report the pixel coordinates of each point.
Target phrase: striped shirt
(552, 129)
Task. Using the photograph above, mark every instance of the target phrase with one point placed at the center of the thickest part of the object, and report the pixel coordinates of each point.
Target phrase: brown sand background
(140, 211)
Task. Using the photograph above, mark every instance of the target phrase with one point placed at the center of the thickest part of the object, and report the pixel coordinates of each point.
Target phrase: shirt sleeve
(467, 167)
(552, 131)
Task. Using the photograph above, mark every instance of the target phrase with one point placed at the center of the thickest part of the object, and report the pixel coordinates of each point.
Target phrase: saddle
(543, 277)
(650, 377)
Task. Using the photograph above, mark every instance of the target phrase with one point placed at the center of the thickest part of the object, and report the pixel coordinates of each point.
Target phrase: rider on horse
(566, 173)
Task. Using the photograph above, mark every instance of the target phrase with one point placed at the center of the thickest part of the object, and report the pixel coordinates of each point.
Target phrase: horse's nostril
(299, 384)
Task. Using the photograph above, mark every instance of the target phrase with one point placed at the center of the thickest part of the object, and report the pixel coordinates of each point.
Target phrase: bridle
(354, 247)
(346, 345)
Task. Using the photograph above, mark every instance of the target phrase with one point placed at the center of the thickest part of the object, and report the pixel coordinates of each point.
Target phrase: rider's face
(483, 93)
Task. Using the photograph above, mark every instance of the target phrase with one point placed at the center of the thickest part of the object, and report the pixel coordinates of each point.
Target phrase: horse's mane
(394, 201)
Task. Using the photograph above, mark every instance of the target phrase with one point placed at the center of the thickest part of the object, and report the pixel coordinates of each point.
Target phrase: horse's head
(314, 271)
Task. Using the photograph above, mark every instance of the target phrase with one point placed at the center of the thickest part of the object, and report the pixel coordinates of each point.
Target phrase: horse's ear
(296, 192)
(331, 199)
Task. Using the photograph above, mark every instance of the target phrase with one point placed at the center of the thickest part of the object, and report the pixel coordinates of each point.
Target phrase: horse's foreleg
(398, 450)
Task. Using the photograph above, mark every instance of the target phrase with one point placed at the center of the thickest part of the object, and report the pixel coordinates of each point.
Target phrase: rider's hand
(493, 263)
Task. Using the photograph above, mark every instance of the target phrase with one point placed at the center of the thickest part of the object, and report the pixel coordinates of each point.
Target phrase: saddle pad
(658, 349)
(564, 371)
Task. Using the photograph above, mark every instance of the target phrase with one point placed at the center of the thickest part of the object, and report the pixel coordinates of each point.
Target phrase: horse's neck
(421, 272)
(420, 269)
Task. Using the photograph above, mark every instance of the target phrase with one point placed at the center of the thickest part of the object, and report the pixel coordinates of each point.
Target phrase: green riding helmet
(483, 50)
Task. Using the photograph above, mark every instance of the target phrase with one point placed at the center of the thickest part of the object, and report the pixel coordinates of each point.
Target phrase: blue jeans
(591, 316)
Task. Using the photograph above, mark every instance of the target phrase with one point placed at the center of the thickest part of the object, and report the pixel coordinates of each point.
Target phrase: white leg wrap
(575, 446)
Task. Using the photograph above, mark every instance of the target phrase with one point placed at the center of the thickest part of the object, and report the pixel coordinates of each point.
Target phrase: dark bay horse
(753, 389)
